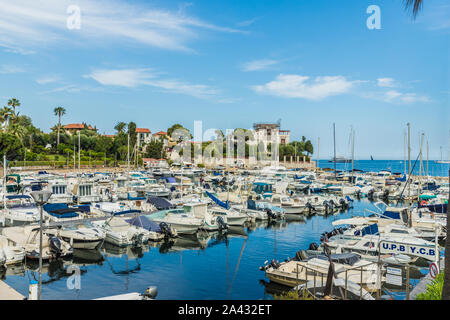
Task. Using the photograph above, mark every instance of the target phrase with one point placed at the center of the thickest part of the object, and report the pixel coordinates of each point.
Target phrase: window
(369, 244)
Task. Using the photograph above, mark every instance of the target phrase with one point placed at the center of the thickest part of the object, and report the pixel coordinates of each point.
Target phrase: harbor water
(434, 168)
(213, 266)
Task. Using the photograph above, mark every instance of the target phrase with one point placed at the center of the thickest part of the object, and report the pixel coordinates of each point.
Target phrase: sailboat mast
(128, 153)
(428, 153)
(409, 158)
(4, 181)
(334, 143)
(404, 151)
(79, 151)
(353, 152)
(318, 153)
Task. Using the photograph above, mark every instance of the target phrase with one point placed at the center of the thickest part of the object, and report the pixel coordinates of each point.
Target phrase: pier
(8, 293)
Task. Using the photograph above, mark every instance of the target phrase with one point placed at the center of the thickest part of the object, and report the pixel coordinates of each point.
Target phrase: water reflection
(215, 265)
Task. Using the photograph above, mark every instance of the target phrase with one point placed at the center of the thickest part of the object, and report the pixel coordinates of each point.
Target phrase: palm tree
(415, 5)
(120, 126)
(59, 111)
(5, 114)
(14, 103)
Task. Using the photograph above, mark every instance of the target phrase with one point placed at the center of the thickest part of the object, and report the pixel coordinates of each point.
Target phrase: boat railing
(317, 273)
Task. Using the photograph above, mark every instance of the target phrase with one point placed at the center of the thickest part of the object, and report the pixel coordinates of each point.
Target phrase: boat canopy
(342, 258)
(144, 222)
(160, 203)
(372, 229)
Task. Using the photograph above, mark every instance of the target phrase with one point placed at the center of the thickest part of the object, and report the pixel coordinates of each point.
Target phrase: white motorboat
(9, 253)
(28, 238)
(19, 210)
(120, 233)
(80, 235)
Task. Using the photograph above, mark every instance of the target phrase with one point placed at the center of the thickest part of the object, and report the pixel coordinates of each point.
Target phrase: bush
(434, 289)
(294, 295)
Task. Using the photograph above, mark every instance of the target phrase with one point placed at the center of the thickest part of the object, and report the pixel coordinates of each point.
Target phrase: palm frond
(414, 5)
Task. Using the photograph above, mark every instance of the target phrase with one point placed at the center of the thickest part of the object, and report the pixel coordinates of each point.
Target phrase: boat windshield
(21, 205)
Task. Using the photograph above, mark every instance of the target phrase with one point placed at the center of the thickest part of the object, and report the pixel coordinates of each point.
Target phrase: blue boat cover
(18, 196)
(216, 200)
(170, 180)
(251, 204)
(54, 206)
(403, 178)
(391, 214)
(118, 213)
(144, 222)
(372, 229)
(84, 208)
(437, 208)
(160, 203)
(61, 210)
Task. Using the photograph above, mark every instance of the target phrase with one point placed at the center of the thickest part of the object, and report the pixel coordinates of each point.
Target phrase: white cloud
(10, 69)
(247, 23)
(385, 82)
(297, 86)
(394, 96)
(257, 65)
(123, 78)
(48, 79)
(28, 24)
(146, 77)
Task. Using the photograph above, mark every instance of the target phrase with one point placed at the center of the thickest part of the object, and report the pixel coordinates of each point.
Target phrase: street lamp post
(41, 198)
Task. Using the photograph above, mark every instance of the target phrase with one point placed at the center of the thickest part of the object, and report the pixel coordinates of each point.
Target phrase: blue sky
(233, 63)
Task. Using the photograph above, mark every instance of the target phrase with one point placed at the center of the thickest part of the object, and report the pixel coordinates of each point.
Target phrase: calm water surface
(212, 267)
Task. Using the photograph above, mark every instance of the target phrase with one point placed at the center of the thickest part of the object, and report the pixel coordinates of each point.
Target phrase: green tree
(155, 150)
(120, 126)
(5, 114)
(59, 111)
(11, 146)
(13, 102)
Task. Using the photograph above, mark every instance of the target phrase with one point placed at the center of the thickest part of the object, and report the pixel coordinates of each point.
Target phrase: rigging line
(409, 176)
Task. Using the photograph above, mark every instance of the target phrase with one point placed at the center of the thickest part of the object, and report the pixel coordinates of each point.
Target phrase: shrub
(294, 295)
(434, 289)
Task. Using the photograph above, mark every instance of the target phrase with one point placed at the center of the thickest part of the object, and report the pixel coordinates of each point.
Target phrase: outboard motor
(270, 214)
(138, 239)
(151, 292)
(385, 193)
(221, 223)
(313, 246)
(274, 264)
(300, 255)
(165, 228)
(310, 207)
(342, 203)
(370, 194)
(55, 246)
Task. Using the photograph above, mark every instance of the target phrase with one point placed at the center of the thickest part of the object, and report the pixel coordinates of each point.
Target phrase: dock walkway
(8, 293)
